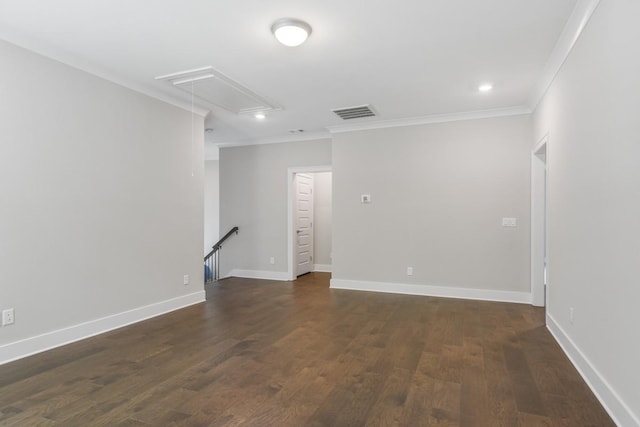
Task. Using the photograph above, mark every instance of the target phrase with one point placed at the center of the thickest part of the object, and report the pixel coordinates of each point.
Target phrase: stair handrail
(217, 246)
(212, 265)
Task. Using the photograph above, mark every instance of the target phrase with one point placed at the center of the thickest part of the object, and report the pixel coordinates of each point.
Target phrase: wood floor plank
(525, 390)
(445, 407)
(500, 398)
(419, 401)
(266, 353)
(474, 408)
(387, 409)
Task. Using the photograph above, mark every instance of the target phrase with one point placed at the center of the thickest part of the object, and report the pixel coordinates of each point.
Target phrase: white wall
(439, 193)
(253, 196)
(100, 215)
(591, 114)
(211, 204)
(322, 212)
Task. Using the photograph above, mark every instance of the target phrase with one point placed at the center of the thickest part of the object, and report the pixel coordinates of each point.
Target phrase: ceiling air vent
(354, 112)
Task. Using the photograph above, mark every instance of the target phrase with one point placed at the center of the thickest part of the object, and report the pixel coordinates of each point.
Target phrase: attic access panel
(211, 86)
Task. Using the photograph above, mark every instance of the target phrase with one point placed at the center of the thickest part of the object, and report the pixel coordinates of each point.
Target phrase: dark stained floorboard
(264, 353)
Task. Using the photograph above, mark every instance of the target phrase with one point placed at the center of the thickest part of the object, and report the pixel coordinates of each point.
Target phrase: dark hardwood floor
(261, 353)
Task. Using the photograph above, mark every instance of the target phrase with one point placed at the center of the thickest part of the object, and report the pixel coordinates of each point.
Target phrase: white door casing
(304, 223)
(539, 224)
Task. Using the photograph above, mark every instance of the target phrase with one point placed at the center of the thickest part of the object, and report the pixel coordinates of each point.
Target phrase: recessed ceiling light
(291, 32)
(260, 116)
(485, 87)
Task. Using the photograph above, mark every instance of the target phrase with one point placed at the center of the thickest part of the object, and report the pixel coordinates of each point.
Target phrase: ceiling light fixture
(291, 32)
(260, 116)
(485, 87)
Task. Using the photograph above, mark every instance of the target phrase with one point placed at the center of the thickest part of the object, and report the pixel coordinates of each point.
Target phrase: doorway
(539, 224)
(308, 249)
(303, 223)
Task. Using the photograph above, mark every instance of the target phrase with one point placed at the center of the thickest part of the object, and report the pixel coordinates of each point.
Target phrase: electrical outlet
(8, 317)
(272, 260)
(409, 271)
(571, 315)
(186, 279)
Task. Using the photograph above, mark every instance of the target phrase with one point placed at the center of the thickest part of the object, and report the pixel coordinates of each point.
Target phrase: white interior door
(304, 223)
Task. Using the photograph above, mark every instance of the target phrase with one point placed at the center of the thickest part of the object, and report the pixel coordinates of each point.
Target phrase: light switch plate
(365, 198)
(509, 222)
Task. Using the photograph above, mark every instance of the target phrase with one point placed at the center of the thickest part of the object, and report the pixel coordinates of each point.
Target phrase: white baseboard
(47, 341)
(610, 400)
(257, 274)
(433, 291)
(322, 268)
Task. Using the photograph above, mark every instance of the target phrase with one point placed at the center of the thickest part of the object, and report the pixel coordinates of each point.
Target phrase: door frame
(291, 173)
(539, 222)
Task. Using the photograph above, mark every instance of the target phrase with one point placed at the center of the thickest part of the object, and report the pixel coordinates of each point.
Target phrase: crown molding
(435, 118)
(311, 136)
(83, 65)
(577, 21)
(382, 124)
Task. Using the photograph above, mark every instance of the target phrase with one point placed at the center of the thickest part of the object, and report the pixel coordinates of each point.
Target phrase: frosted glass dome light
(291, 32)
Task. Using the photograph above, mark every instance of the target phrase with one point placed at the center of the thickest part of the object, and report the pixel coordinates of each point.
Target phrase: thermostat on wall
(365, 198)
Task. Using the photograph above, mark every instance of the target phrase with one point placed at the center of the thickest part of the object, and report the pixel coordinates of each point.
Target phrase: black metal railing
(211, 261)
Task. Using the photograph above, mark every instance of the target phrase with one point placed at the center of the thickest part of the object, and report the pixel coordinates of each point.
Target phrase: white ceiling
(407, 58)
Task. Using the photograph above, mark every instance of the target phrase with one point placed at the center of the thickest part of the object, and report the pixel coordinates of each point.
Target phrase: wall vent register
(355, 112)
